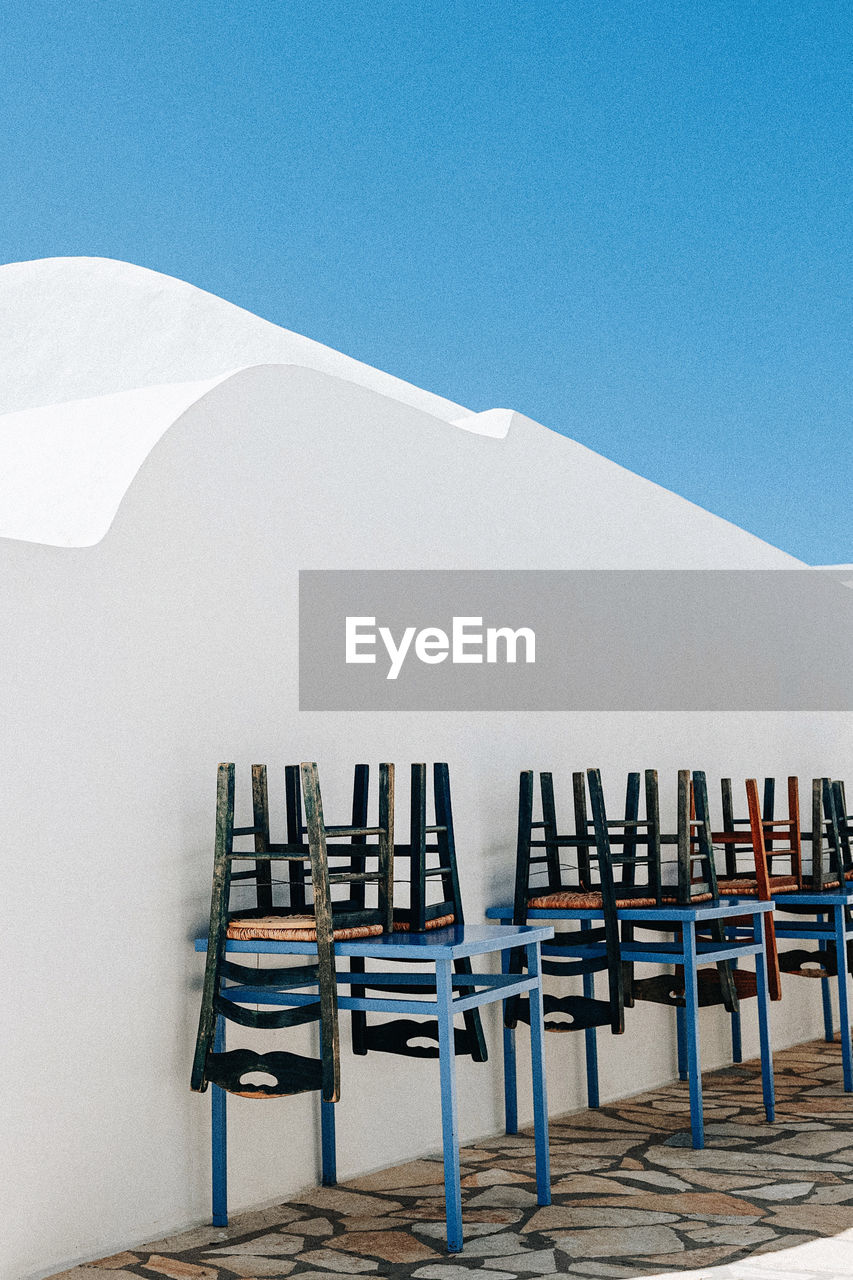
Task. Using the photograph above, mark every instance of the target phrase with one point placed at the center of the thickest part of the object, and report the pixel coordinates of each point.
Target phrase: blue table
(689, 947)
(831, 922)
(435, 994)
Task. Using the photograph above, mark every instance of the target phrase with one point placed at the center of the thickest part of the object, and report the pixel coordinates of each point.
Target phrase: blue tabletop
(436, 944)
(699, 911)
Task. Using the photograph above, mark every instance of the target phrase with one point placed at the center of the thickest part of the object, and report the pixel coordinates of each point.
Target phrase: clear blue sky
(631, 221)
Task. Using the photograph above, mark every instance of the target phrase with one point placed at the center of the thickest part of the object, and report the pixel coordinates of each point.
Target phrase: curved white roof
(103, 357)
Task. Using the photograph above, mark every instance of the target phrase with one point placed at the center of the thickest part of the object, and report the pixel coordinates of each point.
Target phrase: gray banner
(575, 640)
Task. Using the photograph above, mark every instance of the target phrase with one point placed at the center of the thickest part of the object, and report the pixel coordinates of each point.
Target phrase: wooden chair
(694, 884)
(320, 922)
(829, 870)
(586, 886)
(430, 856)
(760, 880)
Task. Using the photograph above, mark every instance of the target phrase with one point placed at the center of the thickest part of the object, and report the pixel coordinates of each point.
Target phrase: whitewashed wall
(132, 667)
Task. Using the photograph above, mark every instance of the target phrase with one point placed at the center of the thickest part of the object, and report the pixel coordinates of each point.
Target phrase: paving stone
(494, 1178)
(332, 1260)
(698, 1258)
(276, 1243)
(732, 1235)
(611, 1242)
(539, 1262)
(447, 1271)
(586, 1185)
(472, 1230)
(415, 1173)
(498, 1246)
(93, 1271)
(337, 1200)
(832, 1195)
(254, 1267)
(556, 1217)
(393, 1246)
(746, 1160)
(820, 1219)
(812, 1144)
(311, 1227)
(783, 1191)
(177, 1269)
(603, 1269)
(505, 1197)
(654, 1177)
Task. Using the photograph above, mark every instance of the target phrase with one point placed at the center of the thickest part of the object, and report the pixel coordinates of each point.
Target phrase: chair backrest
(431, 856)
(348, 866)
(634, 843)
(829, 859)
(844, 821)
(739, 844)
(694, 840)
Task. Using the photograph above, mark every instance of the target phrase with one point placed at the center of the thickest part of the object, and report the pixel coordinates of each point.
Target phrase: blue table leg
(540, 1099)
(328, 1145)
(510, 1081)
(764, 1021)
(826, 997)
(681, 1042)
(591, 1042)
(219, 1139)
(843, 1004)
(449, 1120)
(737, 1040)
(691, 1012)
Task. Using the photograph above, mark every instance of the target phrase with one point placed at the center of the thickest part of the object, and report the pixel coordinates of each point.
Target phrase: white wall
(134, 666)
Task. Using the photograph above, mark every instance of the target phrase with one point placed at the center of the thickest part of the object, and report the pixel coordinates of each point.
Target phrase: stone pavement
(631, 1198)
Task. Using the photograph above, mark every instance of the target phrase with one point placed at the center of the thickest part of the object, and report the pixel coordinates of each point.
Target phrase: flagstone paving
(631, 1198)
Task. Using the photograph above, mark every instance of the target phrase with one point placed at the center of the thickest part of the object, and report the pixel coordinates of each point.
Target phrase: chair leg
(328, 1143)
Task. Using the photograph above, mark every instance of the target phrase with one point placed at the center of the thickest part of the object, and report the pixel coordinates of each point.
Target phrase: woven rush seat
(747, 884)
(592, 900)
(292, 928)
(439, 922)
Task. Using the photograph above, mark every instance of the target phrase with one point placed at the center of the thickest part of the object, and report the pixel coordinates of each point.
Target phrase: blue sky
(630, 221)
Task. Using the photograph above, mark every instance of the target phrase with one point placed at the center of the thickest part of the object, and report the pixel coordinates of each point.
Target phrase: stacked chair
(319, 870)
(316, 868)
(585, 883)
(430, 857)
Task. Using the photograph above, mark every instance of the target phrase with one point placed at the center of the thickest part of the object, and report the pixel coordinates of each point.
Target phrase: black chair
(433, 901)
(230, 988)
(586, 884)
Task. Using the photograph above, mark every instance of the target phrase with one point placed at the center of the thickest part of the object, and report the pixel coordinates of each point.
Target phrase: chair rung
(347, 877)
(355, 831)
(431, 831)
(437, 871)
(244, 831)
(270, 855)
